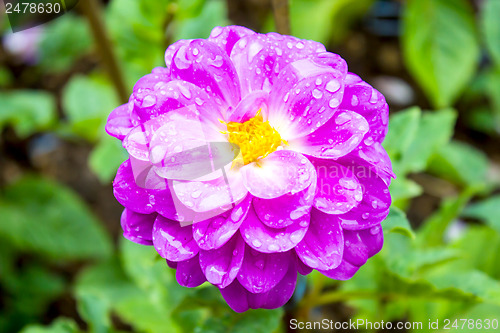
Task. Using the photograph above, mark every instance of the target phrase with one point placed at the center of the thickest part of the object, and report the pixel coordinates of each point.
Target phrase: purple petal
(344, 271)
(323, 244)
(236, 296)
(338, 188)
(219, 194)
(338, 137)
(283, 171)
(302, 268)
(226, 37)
(376, 201)
(194, 123)
(377, 157)
(270, 240)
(215, 232)
(164, 204)
(208, 66)
(221, 266)
(171, 264)
(172, 49)
(285, 210)
(119, 123)
(279, 295)
(359, 246)
(189, 273)
(128, 193)
(240, 300)
(262, 271)
(138, 228)
(306, 95)
(249, 105)
(362, 98)
(173, 241)
(260, 58)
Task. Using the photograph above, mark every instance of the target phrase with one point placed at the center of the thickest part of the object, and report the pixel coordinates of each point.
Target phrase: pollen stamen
(255, 138)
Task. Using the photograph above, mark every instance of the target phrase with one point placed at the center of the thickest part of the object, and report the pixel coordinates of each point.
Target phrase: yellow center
(255, 138)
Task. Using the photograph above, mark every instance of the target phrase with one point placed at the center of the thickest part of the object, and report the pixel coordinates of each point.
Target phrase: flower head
(253, 158)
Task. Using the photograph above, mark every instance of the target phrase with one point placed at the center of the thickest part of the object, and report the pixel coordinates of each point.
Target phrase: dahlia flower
(254, 157)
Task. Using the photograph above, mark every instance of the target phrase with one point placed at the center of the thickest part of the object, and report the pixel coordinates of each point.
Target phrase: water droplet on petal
(317, 93)
(257, 243)
(334, 102)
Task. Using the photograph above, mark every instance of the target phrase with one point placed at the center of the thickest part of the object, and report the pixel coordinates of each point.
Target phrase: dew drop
(317, 93)
(257, 243)
(332, 86)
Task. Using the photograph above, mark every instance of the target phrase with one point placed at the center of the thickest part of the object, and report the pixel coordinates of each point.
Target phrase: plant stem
(92, 10)
(281, 16)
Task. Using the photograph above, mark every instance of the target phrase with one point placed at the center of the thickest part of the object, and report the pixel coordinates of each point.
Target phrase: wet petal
(226, 37)
(359, 246)
(338, 137)
(208, 66)
(323, 244)
(172, 49)
(119, 123)
(189, 274)
(221, 266)
(240, 300)
(250, 105)
(306, 95)
(302, 268)
(279, 295)
(190, 123)
(215, 232)
(376, 201)
(173, 241)
(269, 240)
(262, 271)
(128, 193)
(221, 193)
(377, 157)
(138, 228)
(285, 210)
(283, 171)
(259, 59)
(338, 189)
(363, 99)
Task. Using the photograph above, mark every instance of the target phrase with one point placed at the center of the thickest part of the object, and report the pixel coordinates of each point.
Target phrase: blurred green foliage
(53, 248)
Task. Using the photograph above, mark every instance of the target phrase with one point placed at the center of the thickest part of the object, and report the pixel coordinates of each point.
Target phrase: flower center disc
(255, 138)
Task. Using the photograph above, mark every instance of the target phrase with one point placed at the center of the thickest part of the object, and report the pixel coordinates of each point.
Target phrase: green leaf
(106, 157)
(487, 210)
(397, 222)
(87, 102)
(439, 37)
(433, 229)
(403, 128)
(51, 221)
(332, 18)
(64, 41)
(27, 111)
(145, 308)
(404, 188)
(474, 252)
(434, 131)
(491, 28)
(213, 13)
(461, 163)
(60, 325)
(493, 92)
